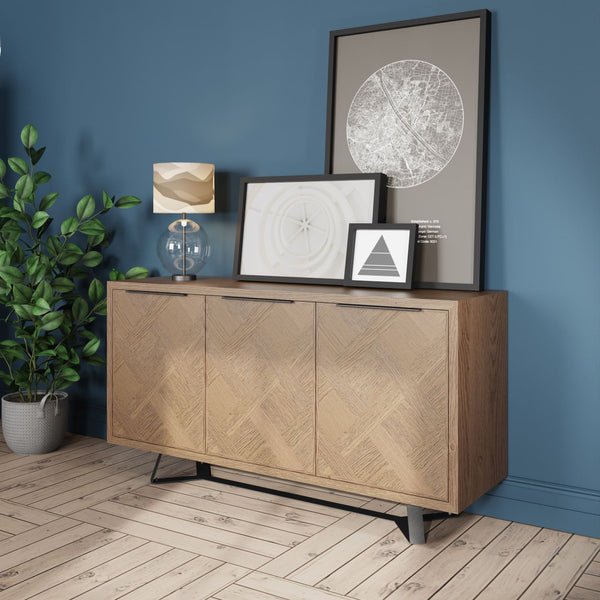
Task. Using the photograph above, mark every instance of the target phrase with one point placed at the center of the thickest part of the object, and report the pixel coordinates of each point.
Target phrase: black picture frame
(449, 206)
(294, 229)
(381, 255)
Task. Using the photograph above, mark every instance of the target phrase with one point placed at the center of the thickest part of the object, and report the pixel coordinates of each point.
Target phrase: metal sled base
(412, 526)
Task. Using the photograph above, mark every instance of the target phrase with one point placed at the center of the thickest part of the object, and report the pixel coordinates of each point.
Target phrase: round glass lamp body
(171, 244)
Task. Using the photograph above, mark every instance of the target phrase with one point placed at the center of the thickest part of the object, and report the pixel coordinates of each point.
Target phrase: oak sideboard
(399, 395)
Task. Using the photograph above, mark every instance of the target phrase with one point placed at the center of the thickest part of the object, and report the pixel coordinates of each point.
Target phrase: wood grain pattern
(204, 539)
(446, 564)
(224, 286)
(156, 362)
(563, 570)
(589, 582)
(382, 398)
(473, 577)
(56, 583)
(384, 581)
(260, 382)
(321, 566)
(482, 427)
(581, 593)
(594, 568)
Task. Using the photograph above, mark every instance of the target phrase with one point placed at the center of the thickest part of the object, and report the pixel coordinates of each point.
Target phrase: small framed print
(295, 229)
(381, 255)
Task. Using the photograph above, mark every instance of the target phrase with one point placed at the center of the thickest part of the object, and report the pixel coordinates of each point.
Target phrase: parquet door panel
(157, 388)
(260, 361)
(382, 398)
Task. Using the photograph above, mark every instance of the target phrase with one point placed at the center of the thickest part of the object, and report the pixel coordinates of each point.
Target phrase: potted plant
(51, 298)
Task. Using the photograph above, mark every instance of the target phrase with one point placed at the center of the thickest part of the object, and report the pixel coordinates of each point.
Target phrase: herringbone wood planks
(206, 540)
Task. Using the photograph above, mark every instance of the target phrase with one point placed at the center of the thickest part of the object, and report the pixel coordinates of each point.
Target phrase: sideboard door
(156, 392)
(382, 398)
(260, 362)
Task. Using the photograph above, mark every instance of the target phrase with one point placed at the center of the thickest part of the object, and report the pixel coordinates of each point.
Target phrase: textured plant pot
(35, 427)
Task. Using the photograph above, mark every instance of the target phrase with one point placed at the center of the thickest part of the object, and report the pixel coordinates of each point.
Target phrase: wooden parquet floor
(83, 522)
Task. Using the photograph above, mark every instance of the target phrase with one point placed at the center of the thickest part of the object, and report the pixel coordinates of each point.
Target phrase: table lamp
(183, 249)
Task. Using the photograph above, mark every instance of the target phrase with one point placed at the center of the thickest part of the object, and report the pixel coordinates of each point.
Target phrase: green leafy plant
(48, 285)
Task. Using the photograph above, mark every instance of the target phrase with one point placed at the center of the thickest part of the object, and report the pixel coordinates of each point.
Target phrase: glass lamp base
(183, 251)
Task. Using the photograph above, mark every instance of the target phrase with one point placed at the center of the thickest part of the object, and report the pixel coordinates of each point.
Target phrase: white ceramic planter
(35, 427)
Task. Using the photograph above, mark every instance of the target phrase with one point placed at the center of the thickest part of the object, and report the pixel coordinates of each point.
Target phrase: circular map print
(406, 120)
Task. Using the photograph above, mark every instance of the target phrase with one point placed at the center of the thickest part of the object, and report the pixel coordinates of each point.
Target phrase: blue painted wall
(117, 85)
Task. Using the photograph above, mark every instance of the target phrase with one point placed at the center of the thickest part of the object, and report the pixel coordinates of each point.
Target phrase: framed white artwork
(295, 229)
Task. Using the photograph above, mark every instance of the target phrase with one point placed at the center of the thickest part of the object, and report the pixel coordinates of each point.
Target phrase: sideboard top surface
(223, 286)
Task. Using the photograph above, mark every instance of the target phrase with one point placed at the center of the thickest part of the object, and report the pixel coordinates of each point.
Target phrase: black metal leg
(153, 474)
(202, 472)
(412, 525)
(416, 527)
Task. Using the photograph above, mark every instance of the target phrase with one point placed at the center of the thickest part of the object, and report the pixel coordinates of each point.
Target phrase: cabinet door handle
(403, 308)
(155, 293)
(277, 300)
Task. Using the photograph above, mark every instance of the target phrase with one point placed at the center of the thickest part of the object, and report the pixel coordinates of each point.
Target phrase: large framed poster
(409, 99)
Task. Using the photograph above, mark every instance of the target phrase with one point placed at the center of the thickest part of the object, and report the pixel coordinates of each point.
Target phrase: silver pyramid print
(380, 262)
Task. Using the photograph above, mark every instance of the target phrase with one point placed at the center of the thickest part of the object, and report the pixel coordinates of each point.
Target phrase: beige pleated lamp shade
(181, 187)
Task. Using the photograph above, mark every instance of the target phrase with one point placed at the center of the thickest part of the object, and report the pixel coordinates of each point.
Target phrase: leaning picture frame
(410, 99)
(295, 228)
(381, 255)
